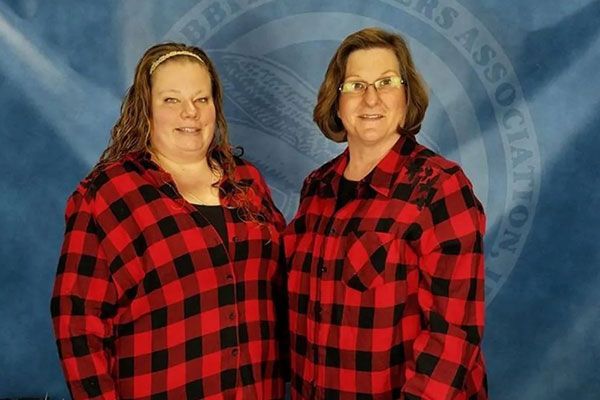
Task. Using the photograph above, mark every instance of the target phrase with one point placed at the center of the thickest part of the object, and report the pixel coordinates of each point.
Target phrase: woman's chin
(373, 137)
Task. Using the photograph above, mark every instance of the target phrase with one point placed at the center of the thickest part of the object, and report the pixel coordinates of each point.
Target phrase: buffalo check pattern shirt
(150, 303)
(386, 294)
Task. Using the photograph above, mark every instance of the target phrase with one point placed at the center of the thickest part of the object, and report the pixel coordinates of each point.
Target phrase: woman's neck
(195, 180)
(363, 159)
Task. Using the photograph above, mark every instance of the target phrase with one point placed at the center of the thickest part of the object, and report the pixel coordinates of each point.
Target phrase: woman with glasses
(385, 260)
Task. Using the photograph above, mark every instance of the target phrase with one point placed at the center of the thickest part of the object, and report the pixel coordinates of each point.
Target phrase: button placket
(318, 312)
(331, 231)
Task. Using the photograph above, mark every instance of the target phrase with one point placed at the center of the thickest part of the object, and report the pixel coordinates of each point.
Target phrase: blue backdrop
(514, 98)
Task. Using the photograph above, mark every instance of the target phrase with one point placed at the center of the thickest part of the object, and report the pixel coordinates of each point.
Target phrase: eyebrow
(178, 91)
(382, 74)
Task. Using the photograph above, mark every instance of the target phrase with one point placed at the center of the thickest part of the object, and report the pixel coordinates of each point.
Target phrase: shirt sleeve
(82, 304)
(267, 203)
(280, 298)
(450, 294)
(276, 215)
(297, 225)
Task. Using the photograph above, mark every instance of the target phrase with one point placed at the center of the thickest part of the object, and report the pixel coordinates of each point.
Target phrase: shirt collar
(142, 162)
(382, 178)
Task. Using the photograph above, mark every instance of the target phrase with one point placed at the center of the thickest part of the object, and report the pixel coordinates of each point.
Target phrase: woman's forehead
(374, 61)
(180, 74)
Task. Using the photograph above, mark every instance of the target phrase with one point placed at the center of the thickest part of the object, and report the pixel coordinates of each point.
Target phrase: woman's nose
(189, 110)
(370, 96)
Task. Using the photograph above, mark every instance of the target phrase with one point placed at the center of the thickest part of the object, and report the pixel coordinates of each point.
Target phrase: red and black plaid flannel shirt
(149, 303)
(386, 295)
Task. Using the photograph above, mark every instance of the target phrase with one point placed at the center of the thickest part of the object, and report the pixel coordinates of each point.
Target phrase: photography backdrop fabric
(514, 99)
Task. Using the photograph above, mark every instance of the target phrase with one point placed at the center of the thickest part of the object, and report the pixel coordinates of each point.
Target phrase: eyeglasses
(382, 85)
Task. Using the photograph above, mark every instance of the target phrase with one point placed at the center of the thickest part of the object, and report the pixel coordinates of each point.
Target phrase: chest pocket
(373, 258)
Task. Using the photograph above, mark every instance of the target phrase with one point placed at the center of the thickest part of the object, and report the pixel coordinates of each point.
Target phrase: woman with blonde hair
(168, 284)
(385, 260)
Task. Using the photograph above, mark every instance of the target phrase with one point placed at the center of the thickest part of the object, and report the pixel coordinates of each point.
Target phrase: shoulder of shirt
(244, 169)
(96, 180)
(324, 169)
(438, 164)
(435, 171)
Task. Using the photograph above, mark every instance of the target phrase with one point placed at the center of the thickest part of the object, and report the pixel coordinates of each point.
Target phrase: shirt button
(232, 316)
(318, 310)
(229, 277)
(235, 352)
(323, 269)
(236, 239)
(333, 231)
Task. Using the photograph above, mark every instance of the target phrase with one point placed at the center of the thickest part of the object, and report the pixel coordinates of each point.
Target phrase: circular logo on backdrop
(272, 55)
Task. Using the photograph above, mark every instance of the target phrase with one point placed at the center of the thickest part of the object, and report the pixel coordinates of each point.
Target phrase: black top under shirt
(346, 192)
(214, 215)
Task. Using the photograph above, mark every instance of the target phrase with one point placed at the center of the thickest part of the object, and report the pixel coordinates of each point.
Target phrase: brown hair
(325, 112)
(131, 132)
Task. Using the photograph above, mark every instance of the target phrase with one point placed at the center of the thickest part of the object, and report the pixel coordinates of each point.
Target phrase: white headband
(165, 57)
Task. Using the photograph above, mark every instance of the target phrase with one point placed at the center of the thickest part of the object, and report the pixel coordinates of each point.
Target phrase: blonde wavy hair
(131, 133)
